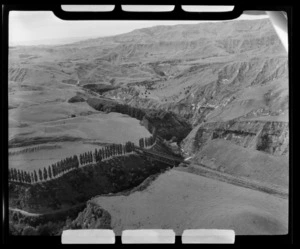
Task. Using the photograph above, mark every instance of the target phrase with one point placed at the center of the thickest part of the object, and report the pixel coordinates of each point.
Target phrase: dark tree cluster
(20, 176)
(106, 152)
(131, 111)
(153, 116)
(86, 157)
(62, 166)
(110, 106)
(129, 147)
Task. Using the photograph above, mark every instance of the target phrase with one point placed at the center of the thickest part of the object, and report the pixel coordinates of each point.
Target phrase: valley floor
(180, 200)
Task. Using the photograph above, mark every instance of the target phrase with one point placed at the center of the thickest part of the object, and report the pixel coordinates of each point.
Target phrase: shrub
(28, 230)
(76, 99)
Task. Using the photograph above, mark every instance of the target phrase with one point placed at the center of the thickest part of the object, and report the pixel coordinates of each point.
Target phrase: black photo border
(118, 14)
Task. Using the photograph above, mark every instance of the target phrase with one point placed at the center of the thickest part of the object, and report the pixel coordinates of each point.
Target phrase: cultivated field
(180, 200)
(40, 115)
(91, 131)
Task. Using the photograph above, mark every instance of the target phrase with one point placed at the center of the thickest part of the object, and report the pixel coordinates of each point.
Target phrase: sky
(43, 27)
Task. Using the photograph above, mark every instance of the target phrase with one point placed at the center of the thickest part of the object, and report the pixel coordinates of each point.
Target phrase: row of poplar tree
(45, 174)
(106, 152)
(146, 142)
(69, 163)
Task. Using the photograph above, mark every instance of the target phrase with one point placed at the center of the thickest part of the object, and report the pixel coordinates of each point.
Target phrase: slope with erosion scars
(268, 136)
(222, 87)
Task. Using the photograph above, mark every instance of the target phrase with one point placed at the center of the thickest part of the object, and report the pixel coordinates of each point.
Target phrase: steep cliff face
(269, 137)
(254, 149)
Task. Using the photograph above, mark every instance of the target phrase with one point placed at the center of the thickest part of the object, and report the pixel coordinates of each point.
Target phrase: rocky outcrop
(92, 217)
(167, 124)
(274, 138)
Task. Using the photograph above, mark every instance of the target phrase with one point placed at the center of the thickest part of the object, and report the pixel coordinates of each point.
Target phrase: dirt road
(199, 169)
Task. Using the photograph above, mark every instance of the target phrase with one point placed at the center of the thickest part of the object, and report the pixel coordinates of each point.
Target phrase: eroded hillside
(228, 80)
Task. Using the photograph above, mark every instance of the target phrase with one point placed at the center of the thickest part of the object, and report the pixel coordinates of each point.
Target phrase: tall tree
(45, 174)
(32, 177)
(15, 174)
(49, 172)
(84, 158)
(9, 175)
(95, 155)
(22, 176)
(53, 170)
(29, 177)
(40, 175)
(58, 169)
(19, 175)
(25, 177)
(80, 158)
(77, 161)
(35, 176)
(91, 156)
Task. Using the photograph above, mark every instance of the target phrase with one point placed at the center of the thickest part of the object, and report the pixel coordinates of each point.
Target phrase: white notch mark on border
(279, 22)
(148, 8)
(208, 236)
(148, 236)
(88, 236)
(207, 8)
(88, 8)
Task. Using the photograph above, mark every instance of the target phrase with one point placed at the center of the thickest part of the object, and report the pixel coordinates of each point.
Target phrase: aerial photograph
(147, 125)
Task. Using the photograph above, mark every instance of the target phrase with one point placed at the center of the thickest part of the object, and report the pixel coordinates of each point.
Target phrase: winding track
(199, 169)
